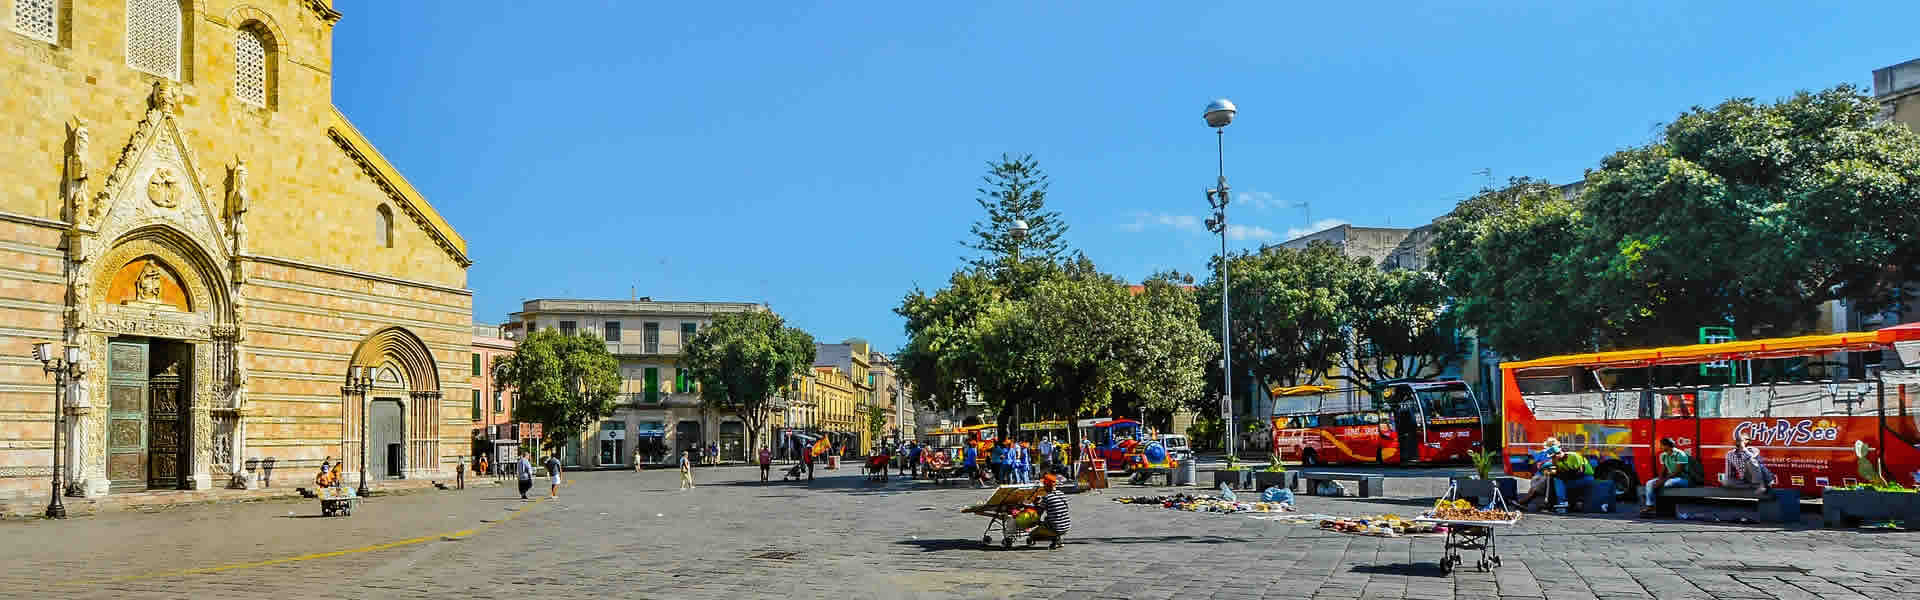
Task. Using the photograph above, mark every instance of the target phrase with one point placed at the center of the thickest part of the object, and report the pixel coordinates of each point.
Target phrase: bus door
(1676, 416)
(1409, 422)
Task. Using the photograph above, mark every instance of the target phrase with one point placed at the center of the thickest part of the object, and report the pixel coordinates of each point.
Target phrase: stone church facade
(180, 198)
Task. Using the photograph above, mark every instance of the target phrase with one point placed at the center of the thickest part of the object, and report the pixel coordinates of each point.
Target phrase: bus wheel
(1310, 459)
(1624, 487)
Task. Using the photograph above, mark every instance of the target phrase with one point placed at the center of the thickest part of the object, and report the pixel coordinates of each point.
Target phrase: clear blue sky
(823, 158)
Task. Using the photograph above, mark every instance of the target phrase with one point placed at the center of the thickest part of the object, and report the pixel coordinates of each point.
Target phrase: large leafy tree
(1750, 215)
(1505, 257)
(1289, 311)
(566, 382)
(742, 360)
(1400, 326)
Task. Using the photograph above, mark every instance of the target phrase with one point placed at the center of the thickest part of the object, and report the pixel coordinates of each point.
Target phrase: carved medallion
(125, 434)
(164, 188)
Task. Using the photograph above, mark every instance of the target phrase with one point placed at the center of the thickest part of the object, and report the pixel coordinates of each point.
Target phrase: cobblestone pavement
(621, 534)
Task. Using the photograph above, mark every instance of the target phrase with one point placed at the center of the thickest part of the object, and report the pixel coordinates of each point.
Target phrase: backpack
(1696, 473)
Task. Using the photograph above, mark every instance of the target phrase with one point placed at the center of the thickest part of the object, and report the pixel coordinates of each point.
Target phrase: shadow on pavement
(1414, 569)
(1164, 539)
(945, 545)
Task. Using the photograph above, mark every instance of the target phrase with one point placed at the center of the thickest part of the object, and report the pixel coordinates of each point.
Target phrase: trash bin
(1188, 471)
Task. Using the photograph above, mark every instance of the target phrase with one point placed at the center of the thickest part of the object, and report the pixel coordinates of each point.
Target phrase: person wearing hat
(1541, 482)
(1572, 474)
(1054, 518)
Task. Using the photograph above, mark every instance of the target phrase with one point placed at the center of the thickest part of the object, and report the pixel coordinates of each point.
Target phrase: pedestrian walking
(524, 470)
(553, 474)
(686, 470)
(766, 463)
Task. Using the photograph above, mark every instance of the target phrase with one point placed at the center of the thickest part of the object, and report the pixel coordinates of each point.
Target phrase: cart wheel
(1483, 566)
(1446, 566)
(986, 540)
(1006, 542)
(1496, 561)
(348, 511)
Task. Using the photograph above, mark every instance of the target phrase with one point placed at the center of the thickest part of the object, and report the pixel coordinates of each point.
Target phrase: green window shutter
(680, 381)
(653, 384)
(476, 363)
(476, 405)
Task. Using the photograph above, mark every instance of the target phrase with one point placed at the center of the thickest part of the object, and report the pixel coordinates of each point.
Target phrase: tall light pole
(1219, 114)
(63, 365)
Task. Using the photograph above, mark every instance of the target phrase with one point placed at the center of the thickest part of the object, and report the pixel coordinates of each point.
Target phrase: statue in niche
(146, 289)
(76, 192)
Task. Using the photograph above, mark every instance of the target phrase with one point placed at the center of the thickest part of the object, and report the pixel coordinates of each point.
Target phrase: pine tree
(1016, 189)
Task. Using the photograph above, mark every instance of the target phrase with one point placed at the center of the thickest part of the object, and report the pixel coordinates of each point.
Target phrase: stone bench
(1370, 485)
(1776, 506)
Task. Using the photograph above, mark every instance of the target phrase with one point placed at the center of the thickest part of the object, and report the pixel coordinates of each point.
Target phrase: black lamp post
(64, 366)
(359, 381)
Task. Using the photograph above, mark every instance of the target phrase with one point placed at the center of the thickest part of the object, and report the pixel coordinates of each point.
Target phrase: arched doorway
(390, 426)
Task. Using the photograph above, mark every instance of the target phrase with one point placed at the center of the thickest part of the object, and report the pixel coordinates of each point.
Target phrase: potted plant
(1873, 499)
(1233, 475)
(1481, 488)
(1275, 475)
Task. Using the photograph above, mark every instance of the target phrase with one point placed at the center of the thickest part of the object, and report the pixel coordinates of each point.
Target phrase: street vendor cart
(337, 500)
(1003, 510)
(1470, 528)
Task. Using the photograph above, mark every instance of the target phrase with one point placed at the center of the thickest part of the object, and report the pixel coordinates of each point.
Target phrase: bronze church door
(166, 425)
(127, 415)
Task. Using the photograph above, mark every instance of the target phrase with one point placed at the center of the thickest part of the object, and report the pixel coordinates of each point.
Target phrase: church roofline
(401, 192)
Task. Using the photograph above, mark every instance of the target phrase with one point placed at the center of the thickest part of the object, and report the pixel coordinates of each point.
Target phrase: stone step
(155, 500)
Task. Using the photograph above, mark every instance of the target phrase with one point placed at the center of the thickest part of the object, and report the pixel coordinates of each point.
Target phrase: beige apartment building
(659, 413)
(184, 203)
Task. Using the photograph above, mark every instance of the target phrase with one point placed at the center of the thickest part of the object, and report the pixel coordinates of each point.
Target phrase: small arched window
(153, 37)
(37, 19)
(253, 68)
(383, 227)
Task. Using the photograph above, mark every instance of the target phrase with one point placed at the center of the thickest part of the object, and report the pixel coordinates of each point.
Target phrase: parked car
(1177, 447)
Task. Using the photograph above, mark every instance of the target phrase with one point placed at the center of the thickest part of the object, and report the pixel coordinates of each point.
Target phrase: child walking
(686, 470)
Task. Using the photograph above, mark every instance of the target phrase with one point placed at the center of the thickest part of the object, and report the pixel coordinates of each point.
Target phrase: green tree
(1289, 316)
(742, 360)
(1750, 215)
(876, 423)
(1400, 326)
(566, 382)
(1506, 258)
(1015, 189)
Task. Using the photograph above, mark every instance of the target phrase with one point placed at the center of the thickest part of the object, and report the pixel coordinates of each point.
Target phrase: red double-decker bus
(1803, 401)
(1398, 422)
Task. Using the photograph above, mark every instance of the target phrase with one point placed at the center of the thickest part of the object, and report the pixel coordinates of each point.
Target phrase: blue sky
(824, 158)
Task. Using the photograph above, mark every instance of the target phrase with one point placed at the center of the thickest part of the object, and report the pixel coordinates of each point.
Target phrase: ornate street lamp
(359, 381)
(64, 366)
(1220, 114)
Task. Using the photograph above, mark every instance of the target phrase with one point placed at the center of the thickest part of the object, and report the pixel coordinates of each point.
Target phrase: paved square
(621, 534)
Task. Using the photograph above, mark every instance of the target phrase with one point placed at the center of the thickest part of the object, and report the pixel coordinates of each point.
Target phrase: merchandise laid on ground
(1192, 503)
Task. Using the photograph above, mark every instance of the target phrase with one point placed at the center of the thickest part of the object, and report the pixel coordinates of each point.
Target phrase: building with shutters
(659, 414)
(185, 203)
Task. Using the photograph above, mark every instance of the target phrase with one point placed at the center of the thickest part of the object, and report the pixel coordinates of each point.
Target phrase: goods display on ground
(1191, 503)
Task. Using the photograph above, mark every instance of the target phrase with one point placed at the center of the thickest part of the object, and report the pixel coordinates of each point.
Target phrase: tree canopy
(1015, 189)
(1289, 311)
(566, 382)
(742, 360)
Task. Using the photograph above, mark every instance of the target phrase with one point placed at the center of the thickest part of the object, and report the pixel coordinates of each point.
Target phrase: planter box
(1480, 491)
(1238, 480)
(1283, 479)
(1847, 508)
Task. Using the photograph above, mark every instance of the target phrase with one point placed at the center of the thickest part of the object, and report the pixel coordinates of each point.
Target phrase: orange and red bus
(1396, 422)
(1804, 402)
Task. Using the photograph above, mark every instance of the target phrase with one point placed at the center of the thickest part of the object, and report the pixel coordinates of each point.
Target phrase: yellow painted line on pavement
(516, 513)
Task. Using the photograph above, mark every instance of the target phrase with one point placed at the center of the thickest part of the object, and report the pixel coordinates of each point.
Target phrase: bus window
(1678, 405)
(1372, 418)
(1545, 385)
(1449, 403)
(1590, 405)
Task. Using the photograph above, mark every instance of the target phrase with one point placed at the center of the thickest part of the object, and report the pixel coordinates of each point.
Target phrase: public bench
(1370, 485)
(1776, 506)
(1146, 475)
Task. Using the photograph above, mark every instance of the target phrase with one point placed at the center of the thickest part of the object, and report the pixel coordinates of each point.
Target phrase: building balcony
(634, 349)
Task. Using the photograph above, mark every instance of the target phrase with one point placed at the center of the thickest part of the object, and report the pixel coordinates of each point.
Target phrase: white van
(1177, 447)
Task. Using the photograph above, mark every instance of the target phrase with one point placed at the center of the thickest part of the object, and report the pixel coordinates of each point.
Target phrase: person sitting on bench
(1744, 468)
(1538, 486)
(1673, 474)
(1572, 474)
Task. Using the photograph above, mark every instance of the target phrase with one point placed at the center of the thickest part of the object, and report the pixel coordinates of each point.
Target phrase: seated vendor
(1054, 519)
(1541, 482)
(1572, 475)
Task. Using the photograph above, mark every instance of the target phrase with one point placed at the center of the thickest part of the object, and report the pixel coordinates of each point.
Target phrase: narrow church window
(35, 19)
(153, 37)
(383, 227)
(250, 67)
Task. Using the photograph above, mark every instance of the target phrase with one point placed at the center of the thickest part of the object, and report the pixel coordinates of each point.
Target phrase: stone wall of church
(318, 277)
